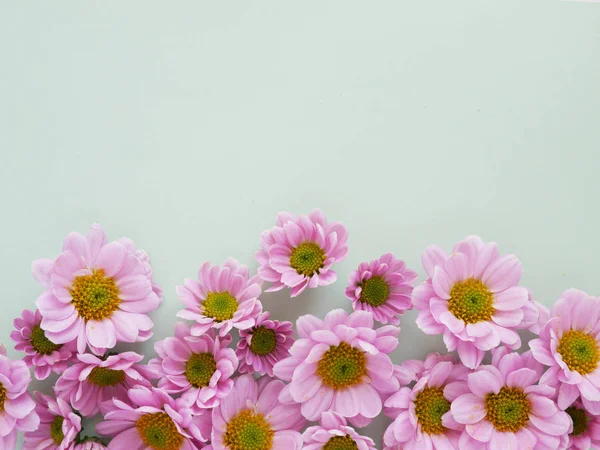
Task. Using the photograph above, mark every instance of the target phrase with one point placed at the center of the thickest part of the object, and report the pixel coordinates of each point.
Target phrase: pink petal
(468, 409)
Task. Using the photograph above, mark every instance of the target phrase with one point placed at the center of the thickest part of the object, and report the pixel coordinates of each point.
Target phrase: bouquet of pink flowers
(271, 390)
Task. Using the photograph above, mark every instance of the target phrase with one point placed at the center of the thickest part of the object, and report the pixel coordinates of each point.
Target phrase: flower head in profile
(382, 287)
(96, 293)
(263, 345)
(252, 418)
(333, 432)
(222, 298)
(472, 298)
(298, 252)
(340, 364)
(585, 433)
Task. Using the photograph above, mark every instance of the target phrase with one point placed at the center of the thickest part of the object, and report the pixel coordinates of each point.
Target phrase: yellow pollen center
(220, 306)
(248, 431)
(95, 296)
(2, 397)
(471, 301)
(200, 368)
(263, 341)
(579, 351)
(101, 376)
(56, 431)
(340, 443)
(375, 291)
(41, 343)
(580, 420)
(307, 259)
(342, 366)
(158, 431)
(508, 410)
(430, 406)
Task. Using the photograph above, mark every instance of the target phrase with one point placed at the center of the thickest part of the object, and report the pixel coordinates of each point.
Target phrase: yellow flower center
(200, 368)
(580, 420)
(508, 410)
(220, 306)
(41, 343)
(340, 443)
(579, 351)
(101, 376)
(248, 431)
(375, 291)
(95, 296)
(158, 431)
(430, 406)
(2, 396)
(56, 431)
(471, 301)
(263, 341)
(342, 366)
(307, 259)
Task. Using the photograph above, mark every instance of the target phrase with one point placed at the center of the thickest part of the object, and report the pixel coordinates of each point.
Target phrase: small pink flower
(93, 380)
(585, 434)
(41, 353)
(199, 368)
(299, 251)
(382, 287)
(223, 298)
(506, 408)
(334, 432)
(59, 425)
(472, 298)
(96, 293)
(340, 364)
(263, 345)
(252, 417)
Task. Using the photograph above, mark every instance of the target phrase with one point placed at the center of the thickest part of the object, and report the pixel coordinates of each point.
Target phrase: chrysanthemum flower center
(263, 341)
(2, 397)
(56, 431)
(248, 431)
(340, 443)
(471, 301)
(200, 368)
(158, 432)
(508, 410)
(579, 351)
(41, 343)
(307, 259)
(220, 306)
(430, 406)
(102, 376)
(95, 296)
(580, 420)
(342, 366)
(374, 291)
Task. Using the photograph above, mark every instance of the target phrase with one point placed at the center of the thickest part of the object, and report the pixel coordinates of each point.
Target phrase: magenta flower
(333, 432)
(59, 425)
(382, 287)
(263, 345)
(299, 251)
(199, 368)
(472, 298)
(223, 298)
(340, 364)
(152, 419)
(569, 344)
(506, 408)
(96, 293)
(251, 417)
(93, 380)
(585, 433)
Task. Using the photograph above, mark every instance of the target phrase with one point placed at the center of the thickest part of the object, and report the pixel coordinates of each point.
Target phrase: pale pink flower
(333, 432)
(585, 434)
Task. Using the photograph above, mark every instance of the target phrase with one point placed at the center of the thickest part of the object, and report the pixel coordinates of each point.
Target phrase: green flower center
(579, 351)
(263, 341)
(158, 432)
(342, 366)
(508, 410)
(56, 431)
(220, 306)
(430, 406)
(2, 397)
(248, 431)
(200, 368)
(374, 291)
(307, 259)
(41, 343)
(102, 376)
(580, 420)
(340, 443)
(471, 301)
(95, 296)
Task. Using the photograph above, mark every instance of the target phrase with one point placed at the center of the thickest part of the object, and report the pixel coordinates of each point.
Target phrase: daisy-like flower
(585, 433)
(424, 419)
(151, 419)
(251, 418)
(93, 380)
(569, 344)
(199, 368)
(96, 293)
(59, 425)
(263, 345)
(223, 298)
(340, 364)
(506, 408)
(472, 298)
(41, 353)
(333, 432)
(382, 287)
(299, 251)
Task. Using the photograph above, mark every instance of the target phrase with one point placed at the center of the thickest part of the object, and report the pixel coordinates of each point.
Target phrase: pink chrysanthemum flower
(382, 287)
(506, 408)
(199, 368)
(222, 298)
(333, 432)
(59, 425)
(151, 419)
(299, 251)
(340, 364)
(41, 353)
(472, 298)
(569, 344)
(424, 419)
(96, 293)
(93, 380)
(585, 434)
(263, 345)
(252, 418)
